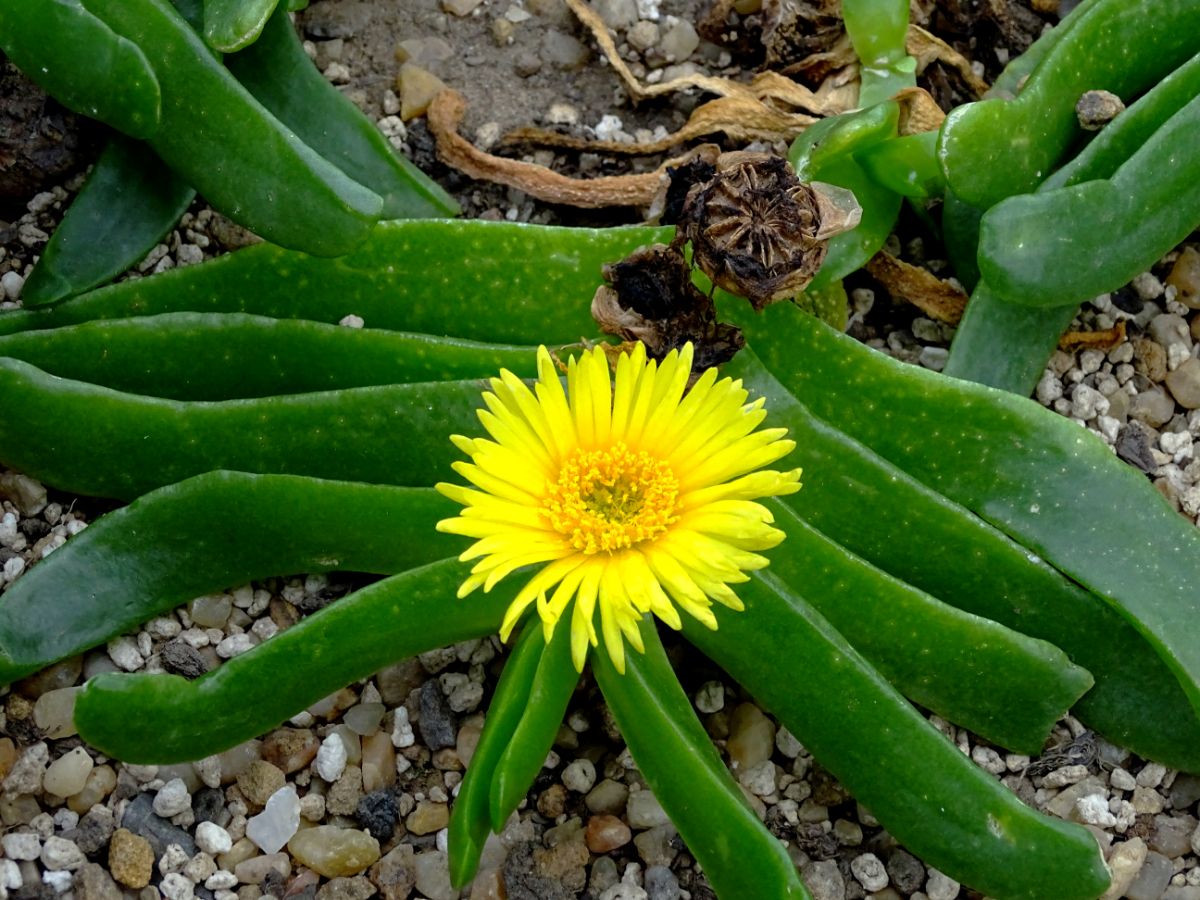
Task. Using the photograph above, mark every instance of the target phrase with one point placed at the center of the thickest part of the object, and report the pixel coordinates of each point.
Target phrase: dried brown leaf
(928, 48)
(936, 298)
(1095, 340)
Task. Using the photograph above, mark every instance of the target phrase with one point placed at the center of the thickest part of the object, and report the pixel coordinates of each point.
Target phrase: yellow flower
(636, 498)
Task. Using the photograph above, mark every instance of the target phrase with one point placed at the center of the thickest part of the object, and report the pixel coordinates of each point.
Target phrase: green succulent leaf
(740, 857)
(111, 80)
(929, 795)
(230, 25)
(178, 720)
(130, 200)
(202, 535)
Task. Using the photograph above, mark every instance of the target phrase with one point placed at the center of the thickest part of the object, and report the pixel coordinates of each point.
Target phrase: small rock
(710, 698)
(1152, 406)
(378, 813)
(751, 737)
(27, 493)
(1152, 879)
(11, 285)
(1093, 810)
(433, 876)
(68, 774)
(1124, 862)
(417, 88)
(460, 8)
(1184, 383)
(331, 758)
(274, 826)
(258, 869)
(344, 794)
(428, 817)
(564, 50)
(172, 799)
(579, 776)
(643, 35)
(824, 880)
(364, 718)
(1147, 801)
(1185, 277)
(395, 874)
(178, 657)
(643, 810)
(21, 845)
(1095, 109)
(679, 39)
(140, 818)
(213, 839)
(176, 886)
(437, 723)
(130, 859)
(906, 872)
(1172, 834)
(92, 882)
(616, 14)
(868, 869)
(941, 887)
(60, 855)
(608, 797)
(259, 780)
(25, 776)
(605, 833)
(290, 749)
(332, 851)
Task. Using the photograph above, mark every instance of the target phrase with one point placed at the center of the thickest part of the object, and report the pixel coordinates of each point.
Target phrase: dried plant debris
(650, 298)
(938, 299)
(758, 231)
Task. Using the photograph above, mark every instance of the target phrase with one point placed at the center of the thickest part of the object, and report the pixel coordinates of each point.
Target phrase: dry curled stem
(446, 112)
(938, 299)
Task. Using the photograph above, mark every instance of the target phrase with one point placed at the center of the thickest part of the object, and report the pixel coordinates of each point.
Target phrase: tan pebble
(552, 801)
(130, 859)
(255, 869)
(100, 783)
(1185, 277)
(605, 833)
(52, 678)
(1125, 861)
(332, 851)
(394, 874)
(1147, 801)
(428, 817)
(290, 749)
(259, 781)
(488, 885)
(751, 737)
(344, 794)
(54, 712)
(68, 774)
(446, 760)
(1149, 358)
(378, 762)
(1184, 383)
(236, 760)
(417, 88)
(468, 738)
(242, 850)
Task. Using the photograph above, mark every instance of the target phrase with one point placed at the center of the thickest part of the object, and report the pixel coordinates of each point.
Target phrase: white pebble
(124, 652)
(402, 732)
(172, 799)
(59, 881)
(1153, 773)
(213, 839)
(173, 860)
(59, 854)
(869, 871)
(941, 887)
(279, 821)
(10, 875)
(221, 880)
(234, 645)
(1093, 810)
(67, 774)
(579, 776)
(177, 887)
(12, 283)
(331, 758)
(711, 697)
(23, 845)
(1122, 780)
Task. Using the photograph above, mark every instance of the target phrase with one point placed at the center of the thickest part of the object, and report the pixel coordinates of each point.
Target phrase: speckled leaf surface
(1036, 476)
(203, 535)
(486, 281)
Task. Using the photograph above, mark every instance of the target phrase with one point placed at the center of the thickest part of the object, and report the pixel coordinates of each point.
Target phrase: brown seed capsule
(758, 231)
(650, 298)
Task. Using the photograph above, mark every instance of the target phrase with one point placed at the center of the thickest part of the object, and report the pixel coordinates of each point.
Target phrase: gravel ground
(371, 771)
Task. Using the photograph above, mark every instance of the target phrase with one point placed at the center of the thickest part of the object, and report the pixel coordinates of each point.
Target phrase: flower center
(611, 499)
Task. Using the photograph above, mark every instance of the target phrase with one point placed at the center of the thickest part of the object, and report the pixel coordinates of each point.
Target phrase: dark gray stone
(905, 871)
(140, 819)
(378, 812)
(437, 724)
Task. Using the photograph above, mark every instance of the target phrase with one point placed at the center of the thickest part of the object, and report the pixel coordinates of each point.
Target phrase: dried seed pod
(758, 231)
(650, 298)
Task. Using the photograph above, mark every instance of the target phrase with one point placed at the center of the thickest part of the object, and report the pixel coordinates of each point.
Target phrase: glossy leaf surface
(111, 81)
(178, 720)
(230, 25)
(927, 794)
(202, 535)
(130, 200)
(740, 858)
(277, 71)
(237, 155)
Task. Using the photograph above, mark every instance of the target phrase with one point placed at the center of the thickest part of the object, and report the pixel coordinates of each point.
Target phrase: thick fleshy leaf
(165, 718)
(928, 794)
(208, 533)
